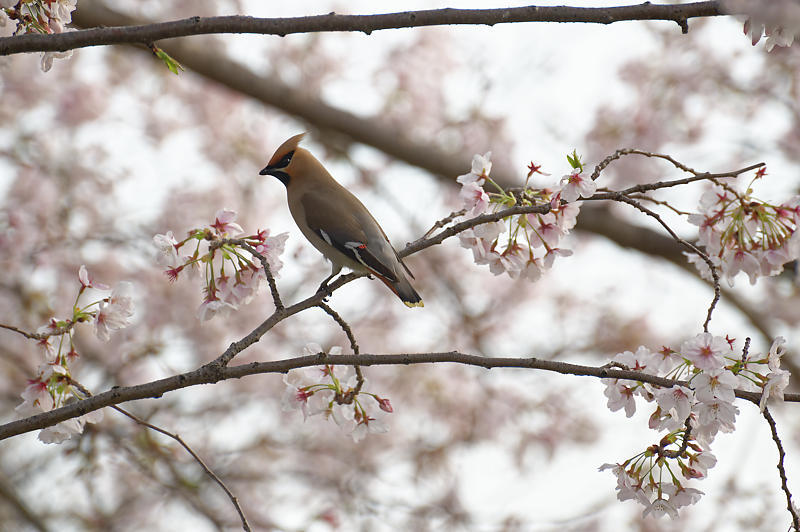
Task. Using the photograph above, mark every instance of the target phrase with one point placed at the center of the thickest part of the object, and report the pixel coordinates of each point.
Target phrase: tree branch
(782, 470)
(149, 33)
(209, 472)
(213, 372)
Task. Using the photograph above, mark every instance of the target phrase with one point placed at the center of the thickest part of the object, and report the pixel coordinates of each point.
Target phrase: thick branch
(213, 372)
(148, 33)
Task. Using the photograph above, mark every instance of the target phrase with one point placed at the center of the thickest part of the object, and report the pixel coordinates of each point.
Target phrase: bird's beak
(278, 173)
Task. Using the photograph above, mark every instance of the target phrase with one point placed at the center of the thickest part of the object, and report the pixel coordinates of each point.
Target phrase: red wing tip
(411, 304)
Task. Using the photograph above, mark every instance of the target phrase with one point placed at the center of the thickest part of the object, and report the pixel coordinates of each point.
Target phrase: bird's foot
(325, 289)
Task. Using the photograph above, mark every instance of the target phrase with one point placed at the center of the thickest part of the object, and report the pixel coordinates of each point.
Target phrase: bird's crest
(286, 147)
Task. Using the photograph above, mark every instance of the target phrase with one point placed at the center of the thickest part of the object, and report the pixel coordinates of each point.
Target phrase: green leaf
(171, 63)
(575, 160)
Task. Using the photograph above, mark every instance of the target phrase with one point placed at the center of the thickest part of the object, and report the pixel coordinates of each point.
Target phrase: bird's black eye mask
(275, 170)
(285, 160)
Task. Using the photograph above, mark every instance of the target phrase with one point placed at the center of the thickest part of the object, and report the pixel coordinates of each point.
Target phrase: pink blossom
(700, 463)
(36, 399)
(567, 215)
(299, 392)
(546, 230)
(712, 417)
(715, 384)
(482, 164)
(87, 281)
(532, 270)
(61, 432)
(776, 351)
(676, 403)
(367, 425)
(213, 307)
(706, 351)
(474, 199)
(271, 248)
(489, 231)
(628, 486)
(116, 313)
(684, 496)
(660, 508)
(551, 255)
(224, 223)
(777, 381)
(708, 234)
(48, 57)
(736, 260)
(620, 395)
(575, 185)
(7, 26)
(167, 251)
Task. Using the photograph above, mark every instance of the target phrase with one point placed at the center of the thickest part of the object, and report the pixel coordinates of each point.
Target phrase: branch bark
(214, 372)
(151, 32)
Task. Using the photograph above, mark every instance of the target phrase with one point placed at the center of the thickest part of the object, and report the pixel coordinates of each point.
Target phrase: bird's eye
(285, 160)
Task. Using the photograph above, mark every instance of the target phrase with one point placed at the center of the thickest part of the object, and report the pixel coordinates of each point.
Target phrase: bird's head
(283, 160)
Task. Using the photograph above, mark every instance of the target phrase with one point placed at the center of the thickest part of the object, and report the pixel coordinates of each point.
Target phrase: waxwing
(336, 222)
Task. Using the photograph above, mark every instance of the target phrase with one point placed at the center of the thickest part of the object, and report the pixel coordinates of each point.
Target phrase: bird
(336, 223)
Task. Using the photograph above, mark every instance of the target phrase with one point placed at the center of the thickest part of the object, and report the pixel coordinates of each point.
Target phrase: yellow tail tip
(409, 304)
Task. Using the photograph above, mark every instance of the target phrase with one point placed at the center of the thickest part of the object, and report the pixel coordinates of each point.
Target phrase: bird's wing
(340, 228)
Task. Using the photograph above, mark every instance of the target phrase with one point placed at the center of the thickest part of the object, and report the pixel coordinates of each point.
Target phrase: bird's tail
(402, 287)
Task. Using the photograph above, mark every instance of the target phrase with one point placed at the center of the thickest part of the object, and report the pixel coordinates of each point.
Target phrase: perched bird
(336, 223)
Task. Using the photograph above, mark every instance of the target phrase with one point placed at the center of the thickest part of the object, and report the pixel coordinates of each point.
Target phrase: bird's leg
(323, 287)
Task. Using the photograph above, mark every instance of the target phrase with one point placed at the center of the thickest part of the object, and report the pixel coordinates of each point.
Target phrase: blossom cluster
(779, 20)
(53, 386)
(744, 234)
(37, 16)
(334, 392)
(521, 245)
(693, 415)
(225, 290)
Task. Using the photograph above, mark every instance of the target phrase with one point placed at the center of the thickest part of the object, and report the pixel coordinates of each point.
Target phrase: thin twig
(209, 472)
(424, 243)
(41, 336)
(273, 286)
(444, 221)
(183, 444)
(351, 338)
(662, 203)
(618, 196)
(781, 470)
(625, 197)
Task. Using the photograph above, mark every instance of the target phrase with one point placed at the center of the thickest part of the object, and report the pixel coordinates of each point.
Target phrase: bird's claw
(325, 289)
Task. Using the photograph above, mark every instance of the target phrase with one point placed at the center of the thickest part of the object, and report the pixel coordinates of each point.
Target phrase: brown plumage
(335, 222)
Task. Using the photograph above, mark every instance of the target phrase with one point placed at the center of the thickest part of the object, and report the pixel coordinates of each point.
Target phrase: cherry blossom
(741, 233)
(715, 384)
(620, 395)
(36, 398)
(577, 186)
(115, 313)
(777, 381)
(706, 351)
(167, 250)
(659, 508)
(224, 223)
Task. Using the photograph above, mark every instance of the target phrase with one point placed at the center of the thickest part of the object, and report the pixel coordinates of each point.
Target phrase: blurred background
(109, 148)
